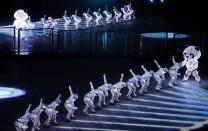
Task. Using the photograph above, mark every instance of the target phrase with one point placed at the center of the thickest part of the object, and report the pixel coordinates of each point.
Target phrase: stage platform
(183, 107)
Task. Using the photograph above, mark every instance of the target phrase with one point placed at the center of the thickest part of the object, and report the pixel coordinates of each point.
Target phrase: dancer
(21, 123)
(35, 115)
(116, 90)
(69, 105)
(88, 18)
(173, 72)
(132, 84)
(145, 80)
(89, 100)
(51, 112)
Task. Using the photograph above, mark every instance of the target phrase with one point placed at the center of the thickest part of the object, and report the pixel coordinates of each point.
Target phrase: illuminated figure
(88, 18)
(102, 92)
(35, 115)
(69, 105)
(132, 84)
(191, 55)
(117, 15)
(173, 72)
(45, 25)
(53, 22)
(67, 20)
(145, 80)
(130, 12)
(21, 123)
(89, 100)
(20, 22)
(125, 13)
(98, 17)
(108, 15)
(158, 79)
(161, 72)
(77, 20)
(51, 112)
(31, 25)
(116, 90)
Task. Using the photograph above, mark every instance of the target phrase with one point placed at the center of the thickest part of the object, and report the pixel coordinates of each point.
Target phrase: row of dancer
(126, 11)
(191, 55)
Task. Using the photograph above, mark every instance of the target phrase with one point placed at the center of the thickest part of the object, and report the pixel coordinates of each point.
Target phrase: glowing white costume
(77, 20)
(69, 104)
(67, 20)
(125, 13)
(161, 72)
(116, 90)
(21, 123)
(132, 84)
(45, 25)
(191, 55)
(98, 17)
(31, 25)
(117, 15)
(144, 80)
(20, 22)
(89, 100)
(158, 79)
(130, 12)
(102, 92)
(35, 115)
(51, 111)
(173, 72)
(54, 23)
(88, 18)
(108, 15)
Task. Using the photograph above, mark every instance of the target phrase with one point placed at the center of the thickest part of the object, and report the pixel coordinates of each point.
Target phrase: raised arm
(28, 109)
(173, 59)
(121, 79)
(145, 70)
(132, 73)
(92, 87)
(71, 92)
(105, 80)
(158, 65)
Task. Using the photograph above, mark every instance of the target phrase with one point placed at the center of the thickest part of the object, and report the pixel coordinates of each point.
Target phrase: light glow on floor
(6, 92)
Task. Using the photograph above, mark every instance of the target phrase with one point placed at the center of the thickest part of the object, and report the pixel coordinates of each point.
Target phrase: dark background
(170, 8)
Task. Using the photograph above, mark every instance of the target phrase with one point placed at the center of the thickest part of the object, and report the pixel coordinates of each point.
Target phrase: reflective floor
(183, 107)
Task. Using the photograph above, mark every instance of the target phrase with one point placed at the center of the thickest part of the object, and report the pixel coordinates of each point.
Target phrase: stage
(183, 107)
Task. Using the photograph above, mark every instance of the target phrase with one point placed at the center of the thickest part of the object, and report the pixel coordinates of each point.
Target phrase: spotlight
(162, 1)
(151, 1)
(10, 92)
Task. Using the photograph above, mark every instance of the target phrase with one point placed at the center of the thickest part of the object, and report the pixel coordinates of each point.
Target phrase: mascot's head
(21, 15)
(192, 52)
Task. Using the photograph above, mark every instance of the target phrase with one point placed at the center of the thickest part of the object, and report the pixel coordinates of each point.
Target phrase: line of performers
(191, 55)
(23, 20)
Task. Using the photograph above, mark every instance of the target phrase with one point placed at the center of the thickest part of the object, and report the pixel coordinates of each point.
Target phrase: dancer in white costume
(132, 84)
(116, 90)
(51, 112)
(67, 20)
(88, 18)
(89, 100)
(173, 72)
(145, 80)
(98, 17)
(77, 20)
(69, 105)
(117, 15)
(21, 123)
(35, 115)
(191, 55)
(102, 92)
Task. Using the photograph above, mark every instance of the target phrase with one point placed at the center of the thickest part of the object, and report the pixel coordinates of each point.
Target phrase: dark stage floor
(181, 108)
